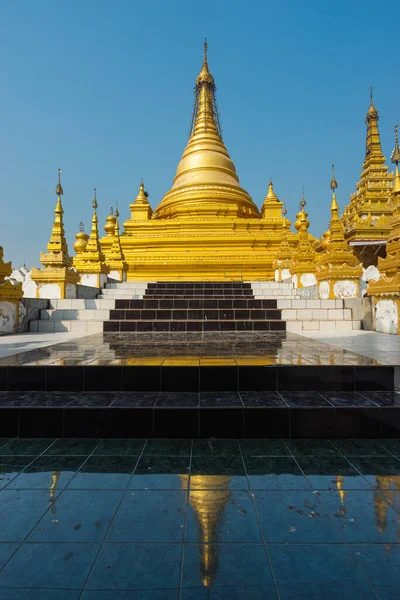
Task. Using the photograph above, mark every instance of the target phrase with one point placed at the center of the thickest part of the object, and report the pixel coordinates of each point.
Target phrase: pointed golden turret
(284, 258)
(115, 258)
(337, 274)
(140, 208)
(367, 217)
(303, 265)
(206, 183)
(57, 249)
(57, 279)
(91, 262)
(386, 291)
(272, 206)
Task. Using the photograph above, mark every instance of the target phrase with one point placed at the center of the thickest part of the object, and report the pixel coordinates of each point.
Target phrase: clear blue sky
(104, 89)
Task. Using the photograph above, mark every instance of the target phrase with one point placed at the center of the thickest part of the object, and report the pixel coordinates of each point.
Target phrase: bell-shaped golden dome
(109, 227)
(81, 240)
(206, 183)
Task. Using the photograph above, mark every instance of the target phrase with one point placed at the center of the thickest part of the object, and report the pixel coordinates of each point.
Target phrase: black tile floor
(194, 349)
(182, 519)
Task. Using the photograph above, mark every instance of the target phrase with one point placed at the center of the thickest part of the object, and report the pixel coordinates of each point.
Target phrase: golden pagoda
(57, 279)
(303, 265)
(284, 259)
(336, 273)
(115, 260)
(206, 227)
(386, 291)
(91, 262)
(366, 218)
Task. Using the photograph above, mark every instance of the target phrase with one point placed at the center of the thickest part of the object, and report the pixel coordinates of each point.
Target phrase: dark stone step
(195, 304)
(200, 293)
(196, 314)
(199, 296)
(199, 285)
(187, 325)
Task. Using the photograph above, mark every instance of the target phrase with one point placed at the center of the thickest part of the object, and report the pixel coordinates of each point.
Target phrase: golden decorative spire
(390, 265)
(140, 208)
(337, 261)
(57, 248)
(206, 183)
(272, 206)
(395, 157)
(284, 257)
(93, 251)
(367, 215)
(305, 255)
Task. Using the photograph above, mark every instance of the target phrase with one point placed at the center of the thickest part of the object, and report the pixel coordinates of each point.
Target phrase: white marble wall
(386, 318)
(49, 290)
(8, 317)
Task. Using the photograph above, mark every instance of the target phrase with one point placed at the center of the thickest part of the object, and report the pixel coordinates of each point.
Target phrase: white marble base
(8, 317)
(323, 290)
(308, 279)
(49, 290)
(386, 317)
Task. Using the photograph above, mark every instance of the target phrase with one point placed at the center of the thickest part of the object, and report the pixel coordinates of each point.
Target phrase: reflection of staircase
(180, 307)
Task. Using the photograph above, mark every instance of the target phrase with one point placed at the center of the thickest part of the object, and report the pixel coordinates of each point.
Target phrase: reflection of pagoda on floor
(208, 497)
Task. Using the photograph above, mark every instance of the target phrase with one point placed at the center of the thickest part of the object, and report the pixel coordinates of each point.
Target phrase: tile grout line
(251, 494)
(184, 523)
(111, 523)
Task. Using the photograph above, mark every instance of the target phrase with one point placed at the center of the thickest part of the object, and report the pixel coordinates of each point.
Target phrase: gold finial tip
(116, 209)
(334, 183)
(94, 203)
(205, 76)
(59, 188)
(395, 157)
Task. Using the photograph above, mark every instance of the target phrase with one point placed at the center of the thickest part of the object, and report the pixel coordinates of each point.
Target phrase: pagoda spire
(337, 274)
(206, 183)
(57, 248)
(272, 206)
(56, 279)
(284, 258)
(115, 258)
(93, 249)
(367, 216)
(140, 207)
(389, 283)
(373, 142)
(303, 265)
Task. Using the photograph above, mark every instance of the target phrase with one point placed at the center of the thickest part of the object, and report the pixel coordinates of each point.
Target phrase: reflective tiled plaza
(212, 348)
(170, 519)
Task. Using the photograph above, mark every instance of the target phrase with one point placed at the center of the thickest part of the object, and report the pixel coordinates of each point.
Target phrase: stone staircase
(185, 306)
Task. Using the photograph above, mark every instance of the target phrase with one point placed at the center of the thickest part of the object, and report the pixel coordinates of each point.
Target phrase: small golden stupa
(284, 259)
(304, 261)
(337, 274)
(115, 260)
(57, 279)
(91, 261)
(206, 227)
(367, 217)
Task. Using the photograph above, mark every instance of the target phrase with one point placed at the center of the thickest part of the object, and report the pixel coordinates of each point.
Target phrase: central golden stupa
(206, 227)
